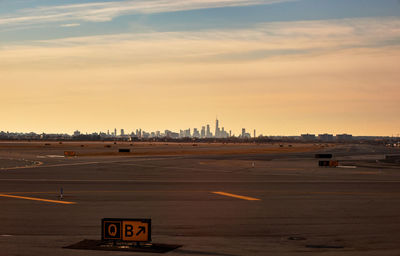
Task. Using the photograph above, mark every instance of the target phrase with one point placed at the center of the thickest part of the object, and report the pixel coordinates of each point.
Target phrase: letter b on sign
(128, 231)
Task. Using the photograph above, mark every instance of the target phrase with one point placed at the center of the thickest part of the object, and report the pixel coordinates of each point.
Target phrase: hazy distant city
(206, 132)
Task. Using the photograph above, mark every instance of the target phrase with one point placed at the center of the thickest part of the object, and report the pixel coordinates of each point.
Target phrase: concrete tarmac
(301, 208)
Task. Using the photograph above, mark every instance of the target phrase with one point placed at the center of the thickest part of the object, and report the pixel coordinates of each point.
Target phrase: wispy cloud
(106, 11)
(70, 25)
(259, 42)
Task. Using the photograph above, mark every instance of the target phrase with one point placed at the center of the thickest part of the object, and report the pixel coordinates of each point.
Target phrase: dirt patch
(204, 151)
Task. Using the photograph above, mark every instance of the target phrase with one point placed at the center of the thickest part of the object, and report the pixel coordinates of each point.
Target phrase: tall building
(217, 131)
(254, 133)
(223, 133)
(185, 133)
(243, 132)
(196, 133)
(122, 132)
(203, 132)
(115, 131)
(208, 134)
(139, 133)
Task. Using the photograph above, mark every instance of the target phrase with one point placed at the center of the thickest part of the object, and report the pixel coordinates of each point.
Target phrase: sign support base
(123, 246)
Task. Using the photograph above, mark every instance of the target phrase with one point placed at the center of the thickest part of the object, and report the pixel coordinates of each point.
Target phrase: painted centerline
(37, 199)
(236, 196)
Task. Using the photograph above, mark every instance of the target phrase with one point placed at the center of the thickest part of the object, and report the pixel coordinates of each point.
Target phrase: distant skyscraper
(115, 131)
(122, 132)
(196, 133)
(208, 134)
(217, 129)
(203, 132)
(254, 133)
(139, 133)
(243, 132)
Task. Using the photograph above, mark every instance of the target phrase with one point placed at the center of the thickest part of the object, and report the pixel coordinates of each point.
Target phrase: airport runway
(222, 205)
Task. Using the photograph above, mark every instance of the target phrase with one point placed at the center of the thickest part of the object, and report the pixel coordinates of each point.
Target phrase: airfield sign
(126, 230)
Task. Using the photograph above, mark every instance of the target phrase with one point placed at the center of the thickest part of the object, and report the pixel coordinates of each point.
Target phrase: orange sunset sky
(280, 67)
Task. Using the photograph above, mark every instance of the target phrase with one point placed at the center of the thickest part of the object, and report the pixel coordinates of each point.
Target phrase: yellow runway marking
(237, 196)
(38, 199)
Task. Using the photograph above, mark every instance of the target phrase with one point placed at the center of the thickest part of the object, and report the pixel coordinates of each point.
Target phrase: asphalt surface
(301, 208)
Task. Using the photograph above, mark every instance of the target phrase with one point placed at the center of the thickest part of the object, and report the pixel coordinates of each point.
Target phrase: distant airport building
(325, 137)
(308, 137)
(344, 137)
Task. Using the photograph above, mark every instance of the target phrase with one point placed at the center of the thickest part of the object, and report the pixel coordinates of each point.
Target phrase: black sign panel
(111, 229)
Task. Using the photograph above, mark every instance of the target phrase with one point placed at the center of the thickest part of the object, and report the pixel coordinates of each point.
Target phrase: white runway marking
(41, 165)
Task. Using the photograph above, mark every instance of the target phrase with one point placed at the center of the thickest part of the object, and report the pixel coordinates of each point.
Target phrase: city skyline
(203, 131)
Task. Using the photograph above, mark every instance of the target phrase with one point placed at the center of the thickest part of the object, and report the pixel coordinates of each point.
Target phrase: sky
(282, 67)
